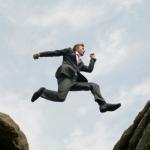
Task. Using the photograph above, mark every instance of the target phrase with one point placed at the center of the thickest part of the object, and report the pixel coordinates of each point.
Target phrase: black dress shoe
(37, 94)
(109, 107)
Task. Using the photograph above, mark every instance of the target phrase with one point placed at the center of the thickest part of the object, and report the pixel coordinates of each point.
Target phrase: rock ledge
(137, 136)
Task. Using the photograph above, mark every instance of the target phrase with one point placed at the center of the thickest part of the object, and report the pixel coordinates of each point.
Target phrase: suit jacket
(69, 65)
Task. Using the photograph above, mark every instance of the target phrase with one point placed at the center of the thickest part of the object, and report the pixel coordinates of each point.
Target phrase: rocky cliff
(137, 136)
(11, 137)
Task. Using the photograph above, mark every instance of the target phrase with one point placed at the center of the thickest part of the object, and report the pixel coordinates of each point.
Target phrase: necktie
(78, 59)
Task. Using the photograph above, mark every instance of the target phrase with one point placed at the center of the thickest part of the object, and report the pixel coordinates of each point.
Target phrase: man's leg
(103, 106)
(64, 86)
(93, 87)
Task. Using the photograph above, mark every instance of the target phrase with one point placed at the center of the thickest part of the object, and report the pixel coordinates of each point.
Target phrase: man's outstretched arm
(52, 53)
(90, 67)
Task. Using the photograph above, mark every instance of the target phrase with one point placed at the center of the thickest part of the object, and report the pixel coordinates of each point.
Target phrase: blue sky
(117, 31)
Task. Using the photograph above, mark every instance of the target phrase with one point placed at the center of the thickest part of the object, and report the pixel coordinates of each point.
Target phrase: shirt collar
(77, 53)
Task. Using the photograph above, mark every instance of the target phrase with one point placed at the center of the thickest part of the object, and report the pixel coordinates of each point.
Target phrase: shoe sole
(112, 109)
(37, 94)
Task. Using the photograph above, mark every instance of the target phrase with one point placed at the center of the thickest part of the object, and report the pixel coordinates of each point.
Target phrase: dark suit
(69, 77)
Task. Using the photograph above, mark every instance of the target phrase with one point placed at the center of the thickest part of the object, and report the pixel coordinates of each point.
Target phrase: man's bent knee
(93, 84)
(61, 99)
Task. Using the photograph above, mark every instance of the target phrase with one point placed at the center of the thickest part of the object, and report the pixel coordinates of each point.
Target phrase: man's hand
(36, 56)
(92, 56)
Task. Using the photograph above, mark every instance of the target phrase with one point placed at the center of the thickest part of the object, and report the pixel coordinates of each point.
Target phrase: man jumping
(69, 77)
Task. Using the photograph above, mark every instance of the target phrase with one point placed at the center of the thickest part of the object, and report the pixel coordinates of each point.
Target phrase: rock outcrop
(11, 137)
(137, 136)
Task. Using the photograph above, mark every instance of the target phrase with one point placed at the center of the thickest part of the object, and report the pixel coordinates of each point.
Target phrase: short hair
(77, 45)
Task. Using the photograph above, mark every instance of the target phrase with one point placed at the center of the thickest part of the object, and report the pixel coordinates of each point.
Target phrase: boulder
(11, 137)
(137, 136)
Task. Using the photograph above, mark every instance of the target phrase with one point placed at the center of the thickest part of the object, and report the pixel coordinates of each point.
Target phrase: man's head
(79, 48)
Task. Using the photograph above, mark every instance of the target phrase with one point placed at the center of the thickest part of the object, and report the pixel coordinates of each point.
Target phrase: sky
(117, 31)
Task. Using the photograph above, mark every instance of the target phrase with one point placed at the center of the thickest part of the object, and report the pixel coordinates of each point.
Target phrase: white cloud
(138, 93)
(3, 71)
(83, 111)
(78, 15)
(129, 4)
(81, 15)
(112, 51)
(98, 138)
(142, 89)
(36, 27)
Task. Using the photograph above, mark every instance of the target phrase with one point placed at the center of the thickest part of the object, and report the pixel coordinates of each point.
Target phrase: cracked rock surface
(137, 136)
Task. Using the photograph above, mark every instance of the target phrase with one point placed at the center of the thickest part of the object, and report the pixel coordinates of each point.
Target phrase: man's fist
(92, 55)
(36, 56)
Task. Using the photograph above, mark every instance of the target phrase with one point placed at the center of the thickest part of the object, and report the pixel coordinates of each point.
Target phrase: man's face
(80, 50)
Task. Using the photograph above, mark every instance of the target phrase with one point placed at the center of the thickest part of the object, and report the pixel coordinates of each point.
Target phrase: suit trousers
(66, 84)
